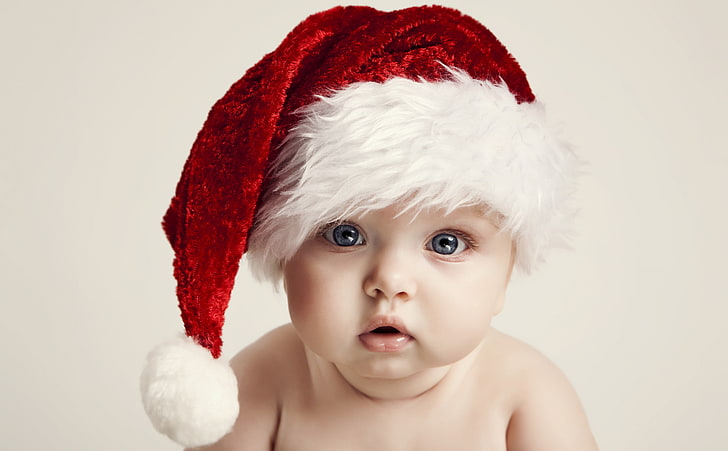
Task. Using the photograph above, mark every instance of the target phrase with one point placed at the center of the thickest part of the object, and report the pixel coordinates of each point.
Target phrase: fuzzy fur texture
(188, 395)
(211, 216)
(446, 139)
(445, 144)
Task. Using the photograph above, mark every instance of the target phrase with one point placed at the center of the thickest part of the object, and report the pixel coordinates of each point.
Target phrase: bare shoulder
(266, 357)
(263, 370)
(547, 413)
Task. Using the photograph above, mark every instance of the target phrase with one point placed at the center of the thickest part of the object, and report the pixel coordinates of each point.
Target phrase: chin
(388, 367)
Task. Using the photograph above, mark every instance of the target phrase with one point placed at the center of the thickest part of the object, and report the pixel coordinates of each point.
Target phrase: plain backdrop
(100, 104)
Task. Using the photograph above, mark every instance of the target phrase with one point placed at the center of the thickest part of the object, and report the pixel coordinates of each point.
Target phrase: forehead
(474, 216)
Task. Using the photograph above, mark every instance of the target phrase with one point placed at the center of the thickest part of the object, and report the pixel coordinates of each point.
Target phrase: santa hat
(357, 108)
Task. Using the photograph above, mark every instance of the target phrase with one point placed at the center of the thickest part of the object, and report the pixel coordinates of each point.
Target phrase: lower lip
(384, 342)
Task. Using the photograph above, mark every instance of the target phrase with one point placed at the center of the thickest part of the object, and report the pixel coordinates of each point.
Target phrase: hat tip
(188, 395)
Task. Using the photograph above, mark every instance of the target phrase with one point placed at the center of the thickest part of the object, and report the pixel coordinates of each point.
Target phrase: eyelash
(472, 244)
(469, 241)
(324, 230)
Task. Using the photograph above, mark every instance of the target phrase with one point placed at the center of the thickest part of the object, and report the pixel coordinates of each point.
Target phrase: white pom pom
(188, 395)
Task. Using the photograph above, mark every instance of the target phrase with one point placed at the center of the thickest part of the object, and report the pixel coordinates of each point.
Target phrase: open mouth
(385, 330)
(386, 324)
(386, 335)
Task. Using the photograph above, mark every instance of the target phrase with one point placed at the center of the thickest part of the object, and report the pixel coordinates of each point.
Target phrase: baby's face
(387, 296)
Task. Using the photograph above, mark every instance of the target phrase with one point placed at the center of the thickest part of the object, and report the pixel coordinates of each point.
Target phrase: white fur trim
(189, 396)
(442, 144)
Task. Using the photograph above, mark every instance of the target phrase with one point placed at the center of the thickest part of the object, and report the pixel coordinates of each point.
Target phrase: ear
(501, 302)
(512, 262)
(283, 278)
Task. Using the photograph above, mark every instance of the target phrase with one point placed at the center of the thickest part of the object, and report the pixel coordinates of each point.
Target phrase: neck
(415, 385)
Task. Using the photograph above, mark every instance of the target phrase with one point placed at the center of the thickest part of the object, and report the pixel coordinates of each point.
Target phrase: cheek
(462, 311)
(304, 293)
(319, 304)
(469, 295)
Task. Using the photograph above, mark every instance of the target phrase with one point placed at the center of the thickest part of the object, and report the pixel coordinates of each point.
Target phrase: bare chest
(403, 427)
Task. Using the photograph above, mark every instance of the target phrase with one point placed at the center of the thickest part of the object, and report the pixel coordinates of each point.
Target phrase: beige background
(101, 101)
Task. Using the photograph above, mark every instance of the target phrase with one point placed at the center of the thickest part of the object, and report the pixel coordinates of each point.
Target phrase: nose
(391, 277)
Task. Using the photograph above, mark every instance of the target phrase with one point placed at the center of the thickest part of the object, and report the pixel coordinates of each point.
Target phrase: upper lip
(386, 321)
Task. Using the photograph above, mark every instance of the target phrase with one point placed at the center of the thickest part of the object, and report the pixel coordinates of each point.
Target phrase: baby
(391, 169)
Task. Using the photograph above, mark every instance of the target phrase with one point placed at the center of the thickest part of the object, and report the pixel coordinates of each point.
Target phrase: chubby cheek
(304, 304)
(317, 306)
(460, 325)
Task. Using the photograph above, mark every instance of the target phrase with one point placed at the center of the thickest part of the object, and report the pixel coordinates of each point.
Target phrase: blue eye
(446, 244)
(344, 235)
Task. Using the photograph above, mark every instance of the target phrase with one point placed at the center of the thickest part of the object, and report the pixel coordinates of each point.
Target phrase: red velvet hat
(215, 203)
(218, 195)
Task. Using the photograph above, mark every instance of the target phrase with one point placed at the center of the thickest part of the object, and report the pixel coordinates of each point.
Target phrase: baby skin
(390, 347)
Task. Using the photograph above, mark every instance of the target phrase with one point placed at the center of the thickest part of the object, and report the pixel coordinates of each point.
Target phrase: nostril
(389, 282)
